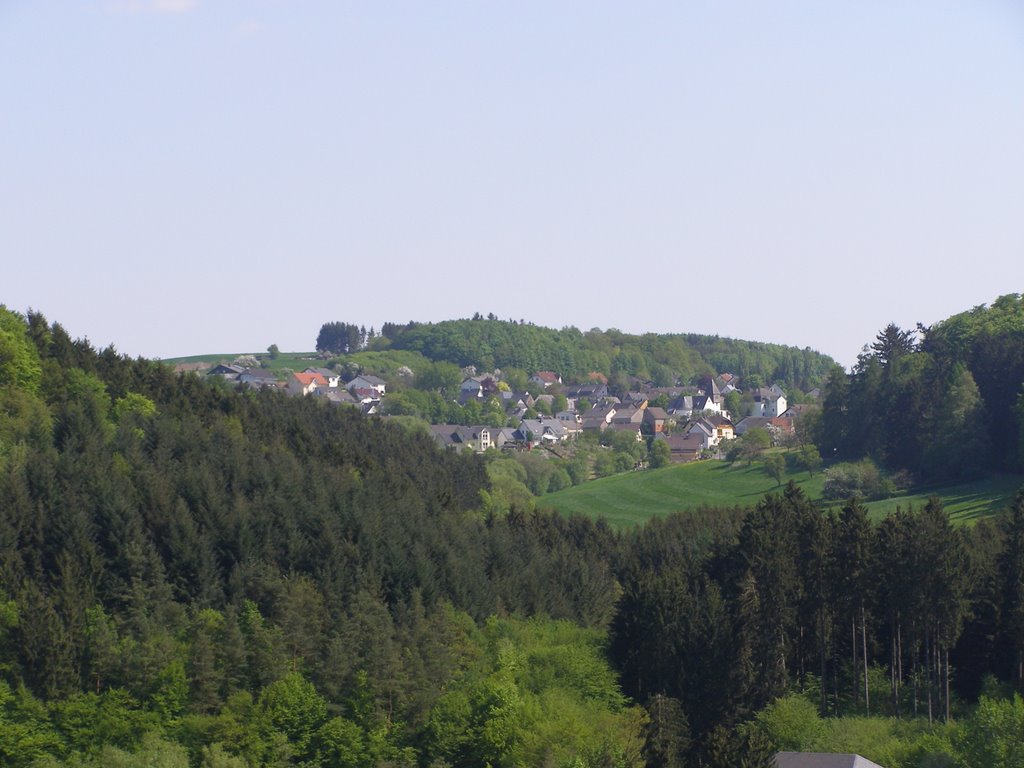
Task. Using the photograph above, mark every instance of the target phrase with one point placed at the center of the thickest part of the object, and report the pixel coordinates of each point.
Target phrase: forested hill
(196, 576)
(262, 577)
(663, 358)
(942, 402)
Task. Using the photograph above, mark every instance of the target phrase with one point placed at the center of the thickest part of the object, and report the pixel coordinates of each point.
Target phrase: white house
(769, 401)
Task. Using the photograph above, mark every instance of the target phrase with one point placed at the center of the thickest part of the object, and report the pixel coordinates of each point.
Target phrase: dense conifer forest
(192, 575)
(940, 402)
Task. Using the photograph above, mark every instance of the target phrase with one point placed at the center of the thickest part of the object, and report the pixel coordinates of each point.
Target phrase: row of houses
(365, 391)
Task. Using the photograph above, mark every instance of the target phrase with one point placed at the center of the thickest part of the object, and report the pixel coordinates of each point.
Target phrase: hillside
(199, 575)
(632, 498)
(213, 576)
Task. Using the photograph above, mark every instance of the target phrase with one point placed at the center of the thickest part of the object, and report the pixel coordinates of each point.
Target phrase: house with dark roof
(639, 399)
(655, 420)
(684, 447)
(593, 392)
(544, 430)
(257, 378)
(367, 381)
(365, 395)
(225, 371)
(454, 437)
(724, 429)
(336, 396)
(703, 429)
(628, 414)
(598, 418)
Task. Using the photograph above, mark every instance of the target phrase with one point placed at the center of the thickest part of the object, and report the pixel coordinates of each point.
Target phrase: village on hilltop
(693, 421)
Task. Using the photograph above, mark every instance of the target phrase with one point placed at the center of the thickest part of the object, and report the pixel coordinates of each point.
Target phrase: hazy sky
(190, 176)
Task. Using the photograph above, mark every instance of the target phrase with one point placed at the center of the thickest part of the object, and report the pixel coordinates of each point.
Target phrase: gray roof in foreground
(821, 760)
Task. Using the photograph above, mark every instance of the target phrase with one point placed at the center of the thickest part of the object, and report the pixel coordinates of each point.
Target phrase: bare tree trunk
(802, 674)
(945, 683)
(899, 661)
(821, 656)
(835, 680)
(892, 673)
(864, 653)
(928, 670)
(856, 666)
(913, 673)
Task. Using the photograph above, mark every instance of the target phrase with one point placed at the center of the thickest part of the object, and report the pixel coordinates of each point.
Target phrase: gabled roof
(717, 420)
(262, 374)
(682, 403)
(548, 377)
(310, 378)
(541, 427)
(625, 414)
(327, 373)
(656, 413)
(798, 410)
(822, 760)
(774, 392)
(701, 426)
(365, 393)
(678, 442)
(225, 369)
(754, 422)
(590, 391)
(336, 396)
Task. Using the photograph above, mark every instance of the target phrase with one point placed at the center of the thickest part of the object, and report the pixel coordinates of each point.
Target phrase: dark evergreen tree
(1011, 587)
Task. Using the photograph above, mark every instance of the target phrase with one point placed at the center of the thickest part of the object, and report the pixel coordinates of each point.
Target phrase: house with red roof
(305, 383)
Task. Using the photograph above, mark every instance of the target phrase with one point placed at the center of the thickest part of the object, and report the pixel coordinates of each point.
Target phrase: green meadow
(631, 498)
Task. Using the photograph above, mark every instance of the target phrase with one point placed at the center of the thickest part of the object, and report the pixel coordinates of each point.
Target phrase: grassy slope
(965, 502)
(629, 499)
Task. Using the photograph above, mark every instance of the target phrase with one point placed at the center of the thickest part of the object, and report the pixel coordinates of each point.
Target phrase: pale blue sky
(189, 176)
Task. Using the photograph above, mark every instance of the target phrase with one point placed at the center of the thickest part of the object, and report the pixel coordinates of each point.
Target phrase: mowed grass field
(633, 497)
(629, 499)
